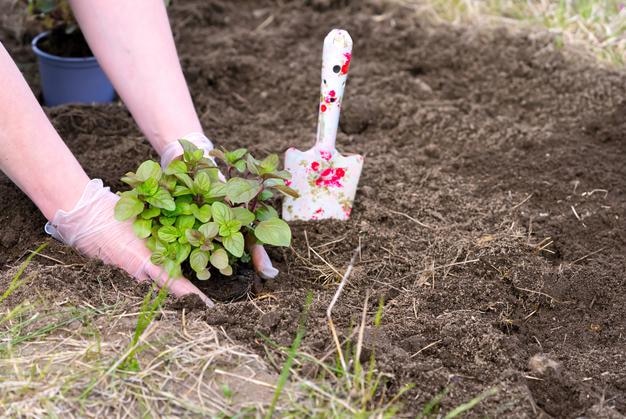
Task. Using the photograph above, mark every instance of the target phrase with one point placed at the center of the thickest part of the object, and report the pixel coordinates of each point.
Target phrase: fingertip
(262, 263)
(268, 272)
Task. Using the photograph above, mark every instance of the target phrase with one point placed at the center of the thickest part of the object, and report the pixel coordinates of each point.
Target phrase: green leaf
(240, 190)
(167, 221)
(272, 182)
(151, 243)
(202, 183)
(266, 212)
(176, 166)
(274, 231)
(227, 271)
(148, 188)
(187, 199)
(269, 164)
(162, 199)
(149, 170)
(194, 237)
(265, 195)
(234, 244)
(240, 165)
(229, 228)
(185, 222)
(150, 212)
(182, 252)
(142, 228)
(186, 179)
(168, 234)
(203, 214)
(244, 216)
(209, 230)
(221, 212)
(286, 190)
(168, 182)
(157, 257)
(183, 208)
(180, 190)
(213, 172)
(218, 190)
(131, 179)
(233, 156)
(253, 164)
(127, 207)
(187, 146)
(219, 258)
(281, 174)
(203, 275)
(132, 193)
(198, 259)
(191, 153)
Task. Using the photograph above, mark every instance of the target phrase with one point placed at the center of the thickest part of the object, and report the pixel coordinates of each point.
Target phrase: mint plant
(190, 213)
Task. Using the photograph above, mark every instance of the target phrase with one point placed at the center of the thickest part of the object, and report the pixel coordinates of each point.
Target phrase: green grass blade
(462, 408)
(284, 373)
(15, 281)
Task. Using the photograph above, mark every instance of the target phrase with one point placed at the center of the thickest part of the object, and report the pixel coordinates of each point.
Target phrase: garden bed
(490, 211)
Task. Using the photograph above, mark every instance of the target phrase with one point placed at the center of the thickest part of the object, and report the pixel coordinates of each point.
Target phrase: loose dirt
(490, 211)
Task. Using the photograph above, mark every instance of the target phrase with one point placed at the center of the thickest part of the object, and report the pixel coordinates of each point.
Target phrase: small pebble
(540, 363)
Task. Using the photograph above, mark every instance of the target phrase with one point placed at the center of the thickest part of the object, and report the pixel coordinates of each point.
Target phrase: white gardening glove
(92, 229)
(260, 259)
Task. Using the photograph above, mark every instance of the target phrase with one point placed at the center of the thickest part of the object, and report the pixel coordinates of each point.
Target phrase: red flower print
(325, 155)
(323, 108)
(346, 65)
(331, 93)
(315, 166)
(330, 177)
(317, 213)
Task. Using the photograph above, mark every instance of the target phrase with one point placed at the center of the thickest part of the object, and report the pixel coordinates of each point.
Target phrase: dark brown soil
(242, 283)
(63, 44)
(508, 149)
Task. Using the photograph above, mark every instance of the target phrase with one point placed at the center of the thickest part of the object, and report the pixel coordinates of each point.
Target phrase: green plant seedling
(190, 215)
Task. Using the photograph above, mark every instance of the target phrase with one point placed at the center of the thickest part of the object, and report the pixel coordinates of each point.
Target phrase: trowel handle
(336, 58)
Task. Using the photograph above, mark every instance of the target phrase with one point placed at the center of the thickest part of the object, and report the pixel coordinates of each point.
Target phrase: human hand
(92, 229)
(260, 259)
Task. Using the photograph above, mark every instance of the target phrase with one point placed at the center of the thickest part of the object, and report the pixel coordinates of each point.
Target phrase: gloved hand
(260, 259)
(92, 229)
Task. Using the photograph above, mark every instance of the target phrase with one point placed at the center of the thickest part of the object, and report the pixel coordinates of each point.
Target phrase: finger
(178, 286)
(262, 263)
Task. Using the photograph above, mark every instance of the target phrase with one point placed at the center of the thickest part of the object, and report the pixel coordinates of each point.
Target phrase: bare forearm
(31, 152)
(134, 44)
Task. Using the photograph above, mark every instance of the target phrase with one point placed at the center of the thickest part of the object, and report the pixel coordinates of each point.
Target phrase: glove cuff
(64, 225)
(174, 149)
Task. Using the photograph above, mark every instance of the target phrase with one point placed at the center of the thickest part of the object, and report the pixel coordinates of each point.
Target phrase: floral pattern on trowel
(325, 180)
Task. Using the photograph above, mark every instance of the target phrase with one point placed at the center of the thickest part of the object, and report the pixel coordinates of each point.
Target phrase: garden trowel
(325, 180)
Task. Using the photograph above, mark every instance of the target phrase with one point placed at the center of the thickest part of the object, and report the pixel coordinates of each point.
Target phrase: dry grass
(598, 26)
(186, 367)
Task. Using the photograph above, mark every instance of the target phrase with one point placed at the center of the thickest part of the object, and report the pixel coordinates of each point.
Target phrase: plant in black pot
(68, 71)
(198, 222)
